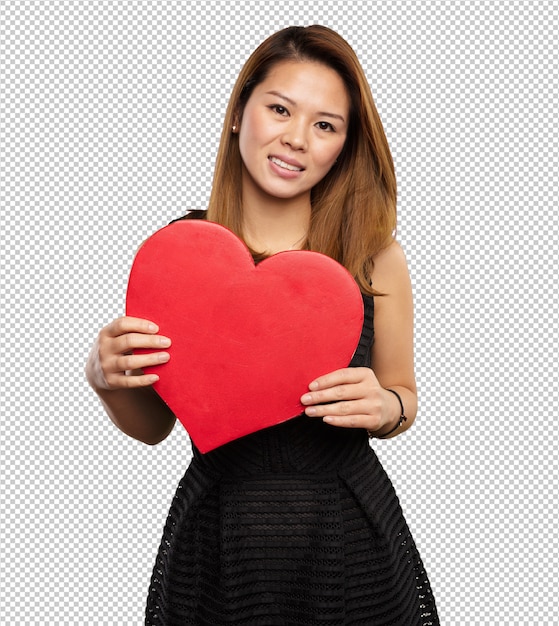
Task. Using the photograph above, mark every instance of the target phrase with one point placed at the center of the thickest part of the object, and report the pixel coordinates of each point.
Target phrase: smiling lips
(287, 166)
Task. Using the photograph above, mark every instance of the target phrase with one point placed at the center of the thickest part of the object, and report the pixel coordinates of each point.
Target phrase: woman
(297, 523)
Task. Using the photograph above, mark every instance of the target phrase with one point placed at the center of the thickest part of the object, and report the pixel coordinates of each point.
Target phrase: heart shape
(246, 339)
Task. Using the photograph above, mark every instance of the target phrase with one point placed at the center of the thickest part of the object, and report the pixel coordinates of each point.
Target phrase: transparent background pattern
(110, 115)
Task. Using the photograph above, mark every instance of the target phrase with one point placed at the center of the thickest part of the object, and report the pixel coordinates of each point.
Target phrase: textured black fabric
(297, 524)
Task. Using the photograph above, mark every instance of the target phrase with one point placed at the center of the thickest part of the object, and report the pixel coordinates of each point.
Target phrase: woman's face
(293, 129)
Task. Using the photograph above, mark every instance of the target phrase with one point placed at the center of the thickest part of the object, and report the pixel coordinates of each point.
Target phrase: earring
(234, 129)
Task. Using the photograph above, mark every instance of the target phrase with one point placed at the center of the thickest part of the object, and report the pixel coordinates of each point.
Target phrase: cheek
(253, 127)
(329, 156)
(251, 135)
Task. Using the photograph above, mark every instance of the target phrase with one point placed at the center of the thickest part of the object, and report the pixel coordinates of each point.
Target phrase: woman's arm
(359, 397)
(115, 374)
(393, 354)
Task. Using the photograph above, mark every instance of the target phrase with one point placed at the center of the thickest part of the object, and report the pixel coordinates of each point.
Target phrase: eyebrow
(292, 102)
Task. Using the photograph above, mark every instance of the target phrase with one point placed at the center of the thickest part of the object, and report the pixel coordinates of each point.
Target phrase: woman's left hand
(351, 398)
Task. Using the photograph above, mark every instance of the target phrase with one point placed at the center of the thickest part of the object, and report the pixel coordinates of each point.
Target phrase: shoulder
(195, 214)
(390, 272)
(191, 215)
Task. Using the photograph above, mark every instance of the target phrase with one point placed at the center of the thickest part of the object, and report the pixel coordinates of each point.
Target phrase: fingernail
(306, 398)
(152, 328)
(163, 357)
(310, 411)
(164, 341)
(313, 385)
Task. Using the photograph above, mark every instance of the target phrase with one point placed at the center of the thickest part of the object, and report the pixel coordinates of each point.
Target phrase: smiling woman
(288, 143)
(354, 204)
(296, 523)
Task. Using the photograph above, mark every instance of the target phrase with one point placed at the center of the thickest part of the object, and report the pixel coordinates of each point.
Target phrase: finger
(334, 394)
(353, 421)
(128, 324)
(132, 341)
(339, 409)
(347, 375)
(129, 362)
(122, 381)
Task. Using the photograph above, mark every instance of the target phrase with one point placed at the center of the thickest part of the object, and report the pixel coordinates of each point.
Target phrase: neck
(272, 225)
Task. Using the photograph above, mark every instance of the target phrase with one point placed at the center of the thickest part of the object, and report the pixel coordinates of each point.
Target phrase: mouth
(286, 166)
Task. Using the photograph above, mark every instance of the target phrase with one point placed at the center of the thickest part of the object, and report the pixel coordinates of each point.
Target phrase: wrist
(397, 420)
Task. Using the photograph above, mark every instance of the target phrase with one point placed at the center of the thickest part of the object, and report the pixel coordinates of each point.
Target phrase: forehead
(306, 82)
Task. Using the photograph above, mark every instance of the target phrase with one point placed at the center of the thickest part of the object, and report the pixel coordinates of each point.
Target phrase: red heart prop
(246, 340)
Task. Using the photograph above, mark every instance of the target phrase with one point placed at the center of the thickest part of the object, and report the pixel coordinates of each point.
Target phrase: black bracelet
(402, 419)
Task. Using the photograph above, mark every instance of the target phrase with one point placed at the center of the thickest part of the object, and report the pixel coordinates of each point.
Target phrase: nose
(295, 135)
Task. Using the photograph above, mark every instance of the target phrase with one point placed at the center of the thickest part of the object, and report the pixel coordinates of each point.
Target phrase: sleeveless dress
(297, 524)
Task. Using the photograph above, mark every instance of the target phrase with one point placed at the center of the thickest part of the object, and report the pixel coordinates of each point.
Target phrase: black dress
(295, 524)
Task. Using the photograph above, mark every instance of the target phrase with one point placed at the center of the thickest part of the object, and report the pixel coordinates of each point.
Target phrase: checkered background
(110, 114)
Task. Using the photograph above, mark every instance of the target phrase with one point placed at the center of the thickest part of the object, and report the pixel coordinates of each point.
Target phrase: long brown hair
(354, 206)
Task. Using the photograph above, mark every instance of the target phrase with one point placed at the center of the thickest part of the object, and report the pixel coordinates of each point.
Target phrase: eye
(279, 109)
(326, 126)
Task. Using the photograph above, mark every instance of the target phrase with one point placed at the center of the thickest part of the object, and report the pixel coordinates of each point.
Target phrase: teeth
(285, 165)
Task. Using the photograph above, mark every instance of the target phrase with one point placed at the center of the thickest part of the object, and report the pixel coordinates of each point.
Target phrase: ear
(236, 126)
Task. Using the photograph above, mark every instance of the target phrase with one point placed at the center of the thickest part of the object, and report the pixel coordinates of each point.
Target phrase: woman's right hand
(112, 355)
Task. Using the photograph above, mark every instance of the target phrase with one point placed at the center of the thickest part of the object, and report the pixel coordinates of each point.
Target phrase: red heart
(246, 340)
